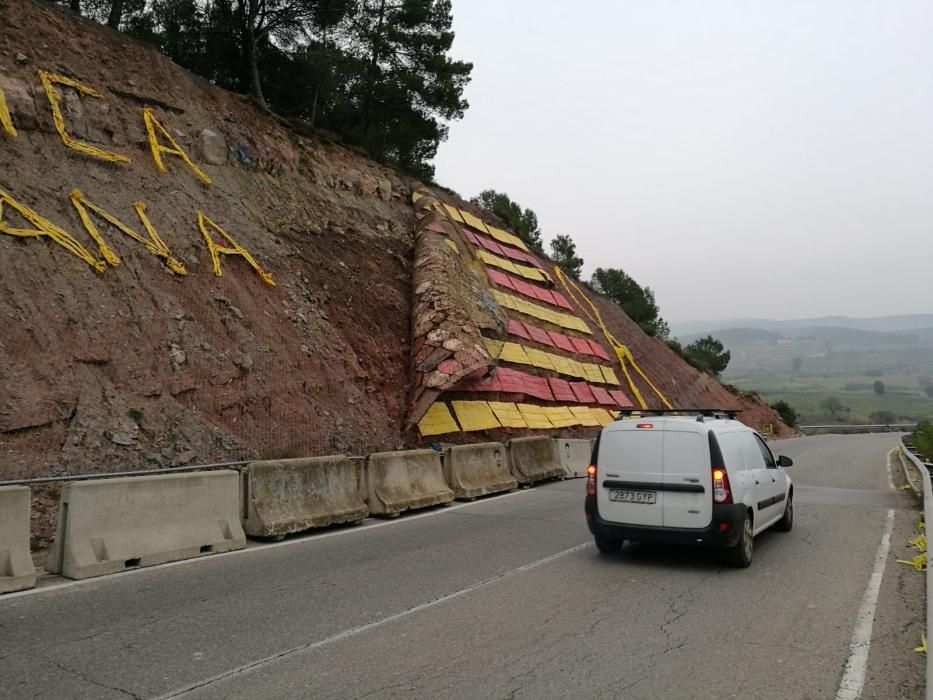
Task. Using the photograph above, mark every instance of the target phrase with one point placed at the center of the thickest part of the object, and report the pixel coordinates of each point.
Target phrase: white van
(702, 479)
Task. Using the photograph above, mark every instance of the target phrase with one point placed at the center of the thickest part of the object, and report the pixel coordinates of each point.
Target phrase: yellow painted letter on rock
(154, 244)
(6, 123)
(234, 248)
(152, 124)
(44, 227)
(49, 80)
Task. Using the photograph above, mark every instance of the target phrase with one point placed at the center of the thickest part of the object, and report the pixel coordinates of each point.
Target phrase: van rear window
(631, 451)
(685, 453)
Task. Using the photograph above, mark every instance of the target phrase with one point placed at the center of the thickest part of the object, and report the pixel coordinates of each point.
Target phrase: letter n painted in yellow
(233, 249)
(44, 227)
(154, 244)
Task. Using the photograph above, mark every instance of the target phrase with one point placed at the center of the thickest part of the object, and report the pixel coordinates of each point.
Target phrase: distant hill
(837, 339)
(879, 324)
(737, 336)
(823, 350)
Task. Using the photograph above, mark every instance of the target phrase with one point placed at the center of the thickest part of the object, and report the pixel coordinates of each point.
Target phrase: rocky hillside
(186, 278)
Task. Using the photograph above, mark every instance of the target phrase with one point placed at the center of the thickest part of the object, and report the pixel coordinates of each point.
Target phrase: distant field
(904, 396)
(805, 362)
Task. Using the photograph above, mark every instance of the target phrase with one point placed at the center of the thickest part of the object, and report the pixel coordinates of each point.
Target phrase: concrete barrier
(110, 525)
(478, 470)
(17, 572)
(292, 495)
(534, 459)
(574, 456)
(394, 482)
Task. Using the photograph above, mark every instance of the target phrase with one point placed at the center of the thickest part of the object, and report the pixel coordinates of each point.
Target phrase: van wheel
(740, 556)
(609, 545)
(786, 523)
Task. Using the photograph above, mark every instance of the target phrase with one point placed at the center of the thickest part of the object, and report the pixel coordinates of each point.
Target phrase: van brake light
(591, 480)
(645, 425)
(722, 493)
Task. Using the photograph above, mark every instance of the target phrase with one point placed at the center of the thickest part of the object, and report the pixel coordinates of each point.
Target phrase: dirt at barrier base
(136, 366)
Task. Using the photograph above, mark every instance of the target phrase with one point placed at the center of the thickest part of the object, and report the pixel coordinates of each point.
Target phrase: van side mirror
(785, 462)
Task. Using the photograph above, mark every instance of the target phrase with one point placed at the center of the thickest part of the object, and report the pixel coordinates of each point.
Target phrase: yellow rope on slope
(6, 123)
(621, 351)
(49, 80)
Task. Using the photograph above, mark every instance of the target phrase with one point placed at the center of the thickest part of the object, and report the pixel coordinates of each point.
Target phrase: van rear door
(629, 474)
(688, 496)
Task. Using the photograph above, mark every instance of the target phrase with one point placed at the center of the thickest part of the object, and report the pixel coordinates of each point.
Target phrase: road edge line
(853, 679)
(356, 631)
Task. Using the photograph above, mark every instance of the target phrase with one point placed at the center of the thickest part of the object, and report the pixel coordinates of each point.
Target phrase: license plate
(623, 496)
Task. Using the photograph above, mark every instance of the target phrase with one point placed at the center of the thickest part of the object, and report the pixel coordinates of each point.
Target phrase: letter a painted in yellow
(154, 244)
(234, 249)
(44, 227)
(49, 80)
(158, 149)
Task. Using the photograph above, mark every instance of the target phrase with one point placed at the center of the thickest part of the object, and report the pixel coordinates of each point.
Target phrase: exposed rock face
(451, 306)
(211, 368)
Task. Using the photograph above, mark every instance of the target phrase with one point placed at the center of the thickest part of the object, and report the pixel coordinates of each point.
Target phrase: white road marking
(253, 548)
(890, 473)
(356, 631)
(853, 680)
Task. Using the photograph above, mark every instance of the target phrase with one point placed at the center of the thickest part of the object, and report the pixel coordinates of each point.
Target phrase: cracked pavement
(652, 622)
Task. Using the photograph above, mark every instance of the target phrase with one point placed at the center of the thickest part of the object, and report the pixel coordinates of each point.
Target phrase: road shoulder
(895, 670)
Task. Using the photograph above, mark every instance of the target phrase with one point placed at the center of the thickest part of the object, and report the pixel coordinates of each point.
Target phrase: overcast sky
(769, 159)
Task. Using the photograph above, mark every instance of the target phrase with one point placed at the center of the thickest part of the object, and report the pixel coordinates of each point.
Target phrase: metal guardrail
(924, 469)
(873, 428)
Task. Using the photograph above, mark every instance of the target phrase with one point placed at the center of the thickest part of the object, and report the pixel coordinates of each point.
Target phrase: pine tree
(564, 254)
(405, 81)
(638, 302)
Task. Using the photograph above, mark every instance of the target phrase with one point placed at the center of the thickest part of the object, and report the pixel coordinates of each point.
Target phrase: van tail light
(722, 493)
(591, 480)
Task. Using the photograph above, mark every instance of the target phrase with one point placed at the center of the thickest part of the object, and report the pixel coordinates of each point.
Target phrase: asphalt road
(501, 598)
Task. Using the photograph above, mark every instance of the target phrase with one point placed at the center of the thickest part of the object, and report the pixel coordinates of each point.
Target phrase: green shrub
(923, 439)
(675, 345)
(886, 417)
(787, 413)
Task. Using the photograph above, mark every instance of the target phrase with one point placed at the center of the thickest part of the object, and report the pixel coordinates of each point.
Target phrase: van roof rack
(730, 413)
